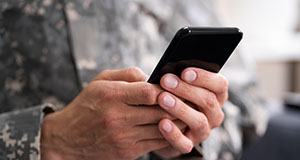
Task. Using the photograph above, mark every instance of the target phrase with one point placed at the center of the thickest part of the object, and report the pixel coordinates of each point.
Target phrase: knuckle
(96, 85)
(149, 93)
(121, 140)
(224, 99)
(133, 69)
(133, 72)
(107, 122)
(205, 129)
(98, 88)
(111, 120)
(187, 149)
(200, 123)
(102, 74)
(116, 139)
(210, 99)
(206, 135)
(219, 119)
(224, 84)
(108, 96)
(111, 92)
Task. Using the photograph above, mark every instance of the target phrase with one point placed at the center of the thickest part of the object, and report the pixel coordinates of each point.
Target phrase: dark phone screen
(206, 51)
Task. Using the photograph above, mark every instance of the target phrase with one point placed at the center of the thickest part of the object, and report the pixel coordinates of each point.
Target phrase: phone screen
(206, 48)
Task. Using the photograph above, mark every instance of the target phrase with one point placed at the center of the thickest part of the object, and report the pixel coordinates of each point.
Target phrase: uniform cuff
(20, 132)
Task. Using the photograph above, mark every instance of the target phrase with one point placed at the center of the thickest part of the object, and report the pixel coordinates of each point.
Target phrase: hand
(106, 120)
(205, 92)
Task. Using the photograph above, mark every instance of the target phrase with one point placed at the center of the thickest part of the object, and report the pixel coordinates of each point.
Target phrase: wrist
(46, 144)
(50, 145)
(48, 129)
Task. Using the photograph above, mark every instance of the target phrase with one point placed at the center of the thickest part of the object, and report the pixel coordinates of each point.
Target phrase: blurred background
(272, 40)
(136, 32)
(272, 46)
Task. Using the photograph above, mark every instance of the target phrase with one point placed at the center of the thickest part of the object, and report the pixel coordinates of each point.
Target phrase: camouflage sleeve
(20, 133)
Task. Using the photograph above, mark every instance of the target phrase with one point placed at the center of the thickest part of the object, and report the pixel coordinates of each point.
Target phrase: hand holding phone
(197, 103)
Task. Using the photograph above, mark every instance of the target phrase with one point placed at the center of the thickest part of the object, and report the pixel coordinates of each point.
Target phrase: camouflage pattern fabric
(20, 133)
(36, 68)
(35, 61)
(49, 49)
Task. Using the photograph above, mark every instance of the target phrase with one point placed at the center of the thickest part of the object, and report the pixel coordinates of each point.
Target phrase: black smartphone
(202, 47)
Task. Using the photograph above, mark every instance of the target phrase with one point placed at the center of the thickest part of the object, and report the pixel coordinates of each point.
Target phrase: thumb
(132, 74)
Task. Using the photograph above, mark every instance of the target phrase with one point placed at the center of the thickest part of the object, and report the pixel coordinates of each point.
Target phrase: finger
(216, 83)
(201, 78)
(197, 121)
(135, 93)
(144, 115)
(168, 152)
(146, 146)
(132, 74)
(141, 93)
(222, 98)
(145, 132)
(197, 95)
(175, 137)
(203, 98)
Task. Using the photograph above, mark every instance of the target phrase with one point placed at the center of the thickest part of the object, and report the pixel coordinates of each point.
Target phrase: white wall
(268, 26)
(269, 38)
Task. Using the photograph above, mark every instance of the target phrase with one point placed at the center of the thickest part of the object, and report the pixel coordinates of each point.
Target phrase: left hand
(205, 92)
(106, 120)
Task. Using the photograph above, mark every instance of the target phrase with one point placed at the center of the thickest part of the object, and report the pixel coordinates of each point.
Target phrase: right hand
(106, 120)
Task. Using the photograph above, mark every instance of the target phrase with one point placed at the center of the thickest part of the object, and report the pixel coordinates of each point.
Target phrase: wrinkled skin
(120, 116)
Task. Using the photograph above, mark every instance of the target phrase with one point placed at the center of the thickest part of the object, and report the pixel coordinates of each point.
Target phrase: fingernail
(190, 76)
(168, 101)
(171, 82)
(167, 127)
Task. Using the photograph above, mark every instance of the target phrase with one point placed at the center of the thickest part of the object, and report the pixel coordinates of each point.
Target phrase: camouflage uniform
(50, 49)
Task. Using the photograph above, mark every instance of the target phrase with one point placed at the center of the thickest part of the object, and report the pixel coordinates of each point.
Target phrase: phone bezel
(187, 31)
